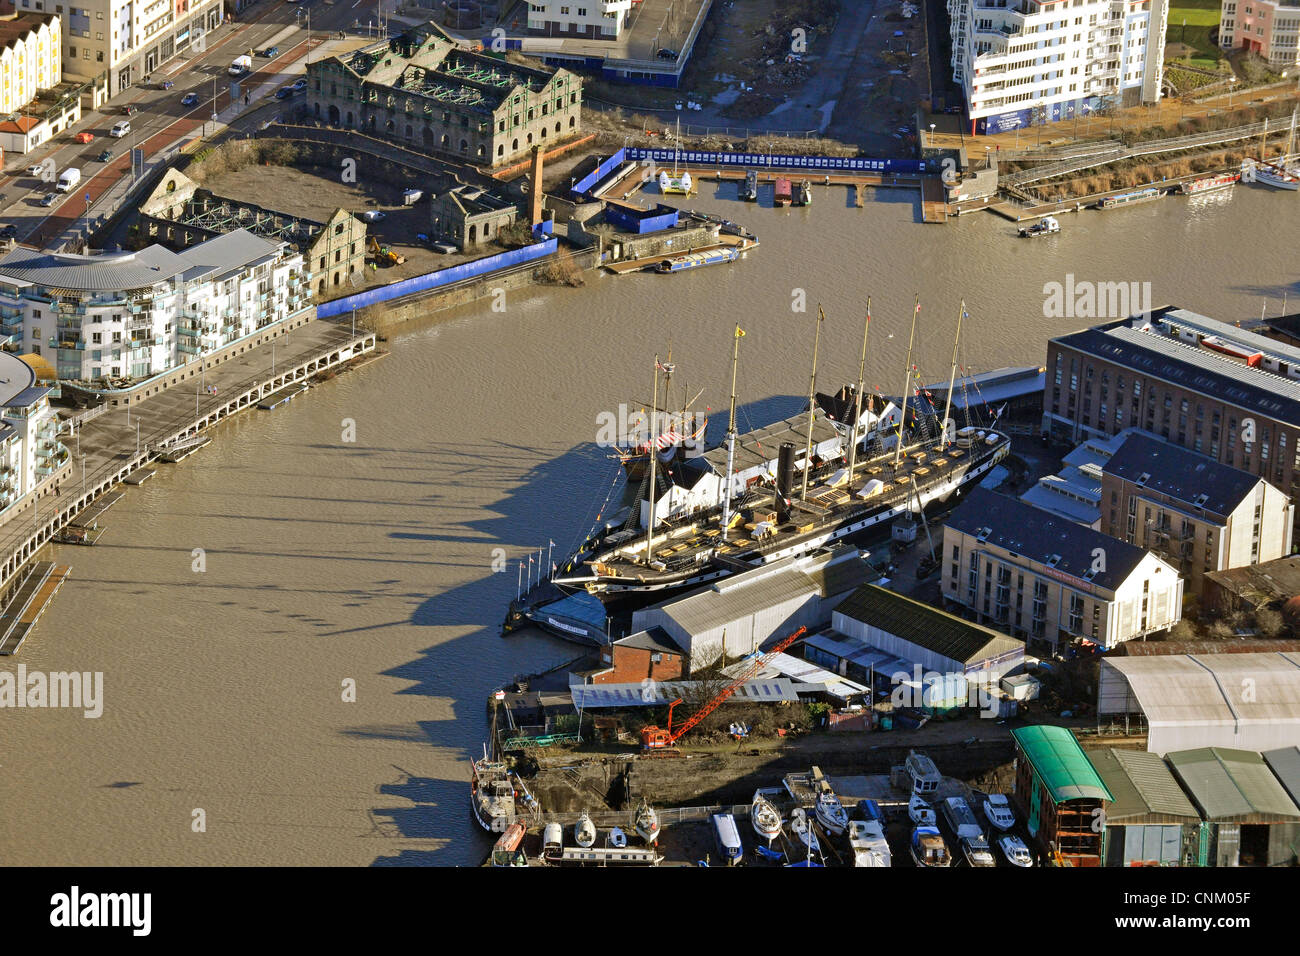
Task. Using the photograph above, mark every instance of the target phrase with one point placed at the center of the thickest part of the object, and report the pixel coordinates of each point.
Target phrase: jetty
(29, 601)
(652, 262)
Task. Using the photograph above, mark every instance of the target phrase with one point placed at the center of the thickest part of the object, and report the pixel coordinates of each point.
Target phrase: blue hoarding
(825, 164)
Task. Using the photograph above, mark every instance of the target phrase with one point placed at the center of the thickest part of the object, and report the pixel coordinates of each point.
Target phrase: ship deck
(680, 542)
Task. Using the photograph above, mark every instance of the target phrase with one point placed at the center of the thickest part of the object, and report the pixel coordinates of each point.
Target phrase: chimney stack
(535, 187)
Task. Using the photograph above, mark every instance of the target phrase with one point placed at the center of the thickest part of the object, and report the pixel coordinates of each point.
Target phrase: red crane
(656, 738)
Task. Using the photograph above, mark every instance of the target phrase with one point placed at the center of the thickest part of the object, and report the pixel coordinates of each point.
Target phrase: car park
(190, 99)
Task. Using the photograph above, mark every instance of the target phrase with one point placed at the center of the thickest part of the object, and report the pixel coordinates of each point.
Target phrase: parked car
(300, 84)
(666, 54)
(130, 110)
(85, 137)
(120, 129)
(49, 199)
(9, 231)
(35, 169)
(270, 52)
(166, 85)
(190, 99)
(372, 215)
(284, 92)
(105, 156)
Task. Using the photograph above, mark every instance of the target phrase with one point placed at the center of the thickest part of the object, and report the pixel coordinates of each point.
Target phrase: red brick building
(647, 654)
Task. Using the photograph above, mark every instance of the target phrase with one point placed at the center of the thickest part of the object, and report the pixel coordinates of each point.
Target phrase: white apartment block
(591, 19)
(126, 40)
(1267, 27)
(1031, 62)
(119, 320)
(30, 452)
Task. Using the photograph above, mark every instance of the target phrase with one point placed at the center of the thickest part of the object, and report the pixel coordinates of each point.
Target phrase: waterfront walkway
(109, 447)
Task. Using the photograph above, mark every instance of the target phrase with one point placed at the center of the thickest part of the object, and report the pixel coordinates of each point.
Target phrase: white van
(120, 129)
(68, 181)
(243, 64)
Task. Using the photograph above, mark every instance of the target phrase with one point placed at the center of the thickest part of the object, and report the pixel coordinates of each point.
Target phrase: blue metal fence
(908, 167)
(434, 280)
(600, 172)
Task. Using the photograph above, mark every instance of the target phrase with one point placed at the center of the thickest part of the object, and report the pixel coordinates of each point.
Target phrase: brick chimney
(535, 187)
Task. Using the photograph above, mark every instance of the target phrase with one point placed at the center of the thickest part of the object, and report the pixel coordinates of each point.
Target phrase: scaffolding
(422, 82)
(490, 72)
(215, 215)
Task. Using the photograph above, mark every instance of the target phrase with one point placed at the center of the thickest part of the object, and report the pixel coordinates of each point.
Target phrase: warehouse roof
(1285, 764)
(1261, 584)
(925, 626)
(1203, 689)
(1233, 786)
(1064, 546)
(654, 639)
(1059, 762)
(1180, 473)
(1143, 788)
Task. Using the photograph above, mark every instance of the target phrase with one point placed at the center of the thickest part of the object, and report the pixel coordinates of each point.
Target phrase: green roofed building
(1149, 820)
(1060, 795)
(1250, 819)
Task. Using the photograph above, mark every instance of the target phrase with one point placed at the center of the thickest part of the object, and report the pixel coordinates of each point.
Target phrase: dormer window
(1054, 560)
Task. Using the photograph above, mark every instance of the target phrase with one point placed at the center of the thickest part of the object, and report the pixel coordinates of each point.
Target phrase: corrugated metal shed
(706, 610)
(662, 693)
(1233, 786)
(945, 634)
(1059, 762)
(859, 652)
(1285, 764)
(805, 672)
(1143, 788)
(1249, 701)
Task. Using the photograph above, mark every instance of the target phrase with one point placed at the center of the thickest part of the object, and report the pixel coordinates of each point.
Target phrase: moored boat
(492, 795)
(928, 849)
(749, 189)
(830, 813)
(693, 260)
(647, 823)
(1206, 184)
(1276, 177)
(998, 810)
(509, 847)
(1047, 226)
(782, 194)
(584, 831)
(802, 828)
(868, 843)
(678, 185)
(764, 817)
(977, 852)
(804, 196)
(920, 812)
(1014, 849)
(552, 842)
(1131, 198)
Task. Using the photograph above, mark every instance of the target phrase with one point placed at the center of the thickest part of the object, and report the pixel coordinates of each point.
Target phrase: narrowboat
(782, 195)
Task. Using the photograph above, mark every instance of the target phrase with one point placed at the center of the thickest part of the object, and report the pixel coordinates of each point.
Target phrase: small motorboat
(647, 823)
(977, 852)
(920, 812)
(830, 813)
(765, 818)
(1046, 227)
(617, 838)
(749, 191)
(802, 827)
(928, 849)
(998, 810)
(867, 841)
(584, 831)
(552, 842)
(1014, 849)
(804, 195)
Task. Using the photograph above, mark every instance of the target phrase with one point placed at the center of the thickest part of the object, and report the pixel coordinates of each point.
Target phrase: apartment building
(1208, 386)
(1267, 27)
(118, 320)
(591, 19)
(423, 91)
(1048, 580)
(30, 452)
(1197, 514)
(1030, 62)
(29, 56)
(126, 40)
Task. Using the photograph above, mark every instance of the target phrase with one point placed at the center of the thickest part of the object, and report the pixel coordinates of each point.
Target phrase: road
(161, 120)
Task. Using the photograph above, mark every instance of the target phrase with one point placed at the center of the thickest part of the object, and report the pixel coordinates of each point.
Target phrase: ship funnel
(784, 480)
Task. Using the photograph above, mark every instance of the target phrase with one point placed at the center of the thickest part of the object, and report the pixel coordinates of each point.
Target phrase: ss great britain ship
(740, 507)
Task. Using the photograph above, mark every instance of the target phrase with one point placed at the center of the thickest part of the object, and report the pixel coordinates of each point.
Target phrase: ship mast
(952, 380)
(654, 460)
(907, 382)
(812, 404)
(857, 398)
(731, 437)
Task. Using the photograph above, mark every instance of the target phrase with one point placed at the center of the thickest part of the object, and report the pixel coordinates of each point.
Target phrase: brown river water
(372, 561)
